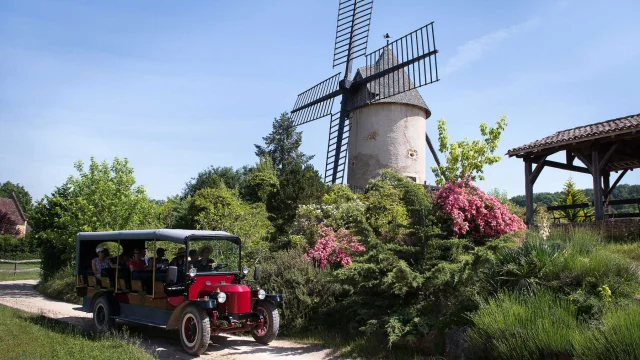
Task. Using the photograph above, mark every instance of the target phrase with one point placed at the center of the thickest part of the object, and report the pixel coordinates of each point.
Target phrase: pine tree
(571, 196)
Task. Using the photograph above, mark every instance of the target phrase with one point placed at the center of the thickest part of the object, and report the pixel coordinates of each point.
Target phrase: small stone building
(12, 207)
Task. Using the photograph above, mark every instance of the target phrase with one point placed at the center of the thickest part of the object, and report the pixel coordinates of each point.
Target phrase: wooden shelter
(611, 146)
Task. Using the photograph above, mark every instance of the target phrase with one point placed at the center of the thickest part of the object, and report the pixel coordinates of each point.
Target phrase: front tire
(195, 330)
(102, 320)
(269, 330)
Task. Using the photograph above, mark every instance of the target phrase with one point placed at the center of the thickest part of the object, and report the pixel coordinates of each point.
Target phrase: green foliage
(12, 248)
(23, 196)
(572, 196)
(261, 181)
(282, 145)
(31, 336)
(102, 198)
(385, 212)
(515, 326)
(466, 159)
(173, 213)
(61, 286)
(222, 209)
(617, 339)
(214, 177)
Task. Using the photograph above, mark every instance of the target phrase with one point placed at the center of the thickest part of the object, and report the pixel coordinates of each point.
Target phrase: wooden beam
(586, 162)
(570, 157)
(536, 172)
(528, 191)
(606, 184)
(597, 185)
(433, 151)
(615, 183)
(559, 165)
(606, 157)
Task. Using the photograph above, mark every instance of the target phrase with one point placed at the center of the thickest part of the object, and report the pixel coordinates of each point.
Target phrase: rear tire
(195, 330)
(269, 331)
(102, 320)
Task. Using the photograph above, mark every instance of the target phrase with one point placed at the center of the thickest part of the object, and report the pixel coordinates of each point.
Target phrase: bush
(472, 213)
(60, 286)
(516, 326)
(618, 339)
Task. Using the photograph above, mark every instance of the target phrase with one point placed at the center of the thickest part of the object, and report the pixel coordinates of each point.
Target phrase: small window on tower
(412, 178)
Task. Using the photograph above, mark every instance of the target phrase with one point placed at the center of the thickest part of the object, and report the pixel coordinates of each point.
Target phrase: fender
(274, 298)
(174, 320)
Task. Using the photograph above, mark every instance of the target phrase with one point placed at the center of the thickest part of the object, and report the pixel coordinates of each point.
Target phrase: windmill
(385, 135)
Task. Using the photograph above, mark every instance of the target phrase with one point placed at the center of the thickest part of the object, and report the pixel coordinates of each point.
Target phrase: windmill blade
(337, 149)
(433, 151)
(316, 102)
(403, 65)
(352, 31)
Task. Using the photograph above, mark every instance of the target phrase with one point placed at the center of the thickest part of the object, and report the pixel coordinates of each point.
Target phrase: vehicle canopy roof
(174, 235)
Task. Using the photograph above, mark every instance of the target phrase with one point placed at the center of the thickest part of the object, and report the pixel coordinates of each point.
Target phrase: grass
(5, 266)
(60, 287)
(28, 336)
(618, 339)
(8, 276)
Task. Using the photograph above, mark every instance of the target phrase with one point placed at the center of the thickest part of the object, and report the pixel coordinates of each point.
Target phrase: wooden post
(597, 185)
(117, 267)
(606, 181)
(528, 190)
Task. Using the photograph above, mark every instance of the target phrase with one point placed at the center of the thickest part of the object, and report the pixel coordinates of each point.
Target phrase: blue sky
(178, 86)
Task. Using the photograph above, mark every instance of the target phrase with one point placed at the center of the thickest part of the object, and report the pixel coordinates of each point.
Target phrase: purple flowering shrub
(474, 214)
(333, 248)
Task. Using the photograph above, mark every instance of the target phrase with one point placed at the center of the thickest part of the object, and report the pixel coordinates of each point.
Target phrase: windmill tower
(381, 121)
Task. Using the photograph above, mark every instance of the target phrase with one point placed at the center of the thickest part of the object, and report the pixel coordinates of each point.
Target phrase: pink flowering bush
(475, 214)
(333, 248)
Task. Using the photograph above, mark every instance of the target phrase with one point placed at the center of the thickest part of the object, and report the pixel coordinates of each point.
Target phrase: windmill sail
(317, 102)
(403, 65)
(337, 150)
(352, 30)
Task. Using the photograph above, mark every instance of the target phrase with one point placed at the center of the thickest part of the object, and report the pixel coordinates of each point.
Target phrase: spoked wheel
(268, 332)
(195, 330)
(102, 320)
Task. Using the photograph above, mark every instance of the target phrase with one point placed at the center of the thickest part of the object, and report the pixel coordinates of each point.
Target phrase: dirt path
(164, 344)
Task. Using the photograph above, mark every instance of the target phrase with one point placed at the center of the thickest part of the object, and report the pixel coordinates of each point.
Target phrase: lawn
(30, 336)
(32, 273)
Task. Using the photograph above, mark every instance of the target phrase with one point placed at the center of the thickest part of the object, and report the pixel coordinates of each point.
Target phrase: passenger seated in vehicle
(160, 260)
(101, 262)
(178, 261)
(204, 263)
(138, 263)
(193, 256)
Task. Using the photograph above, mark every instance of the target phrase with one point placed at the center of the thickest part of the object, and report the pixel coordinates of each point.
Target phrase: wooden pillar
(597, 185)
(528, 191)
(606, 185)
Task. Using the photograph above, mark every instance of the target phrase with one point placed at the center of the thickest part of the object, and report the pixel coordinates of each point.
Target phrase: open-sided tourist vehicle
(199, 301)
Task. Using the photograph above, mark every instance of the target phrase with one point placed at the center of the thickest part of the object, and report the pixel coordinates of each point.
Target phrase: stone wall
(612, 228)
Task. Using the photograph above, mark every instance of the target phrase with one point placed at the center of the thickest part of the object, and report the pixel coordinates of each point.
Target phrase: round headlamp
(245, 270)
(261, 294)
(222, 297)
(192, 272)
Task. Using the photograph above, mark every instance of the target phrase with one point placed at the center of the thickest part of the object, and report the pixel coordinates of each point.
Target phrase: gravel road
(162, 343)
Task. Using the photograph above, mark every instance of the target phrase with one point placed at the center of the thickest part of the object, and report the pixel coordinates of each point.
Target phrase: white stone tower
(390, 133)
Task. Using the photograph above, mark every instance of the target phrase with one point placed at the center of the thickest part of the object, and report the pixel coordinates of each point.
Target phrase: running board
(139, 321)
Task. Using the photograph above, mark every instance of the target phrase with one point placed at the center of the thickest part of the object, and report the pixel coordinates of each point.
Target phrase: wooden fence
(16, 262)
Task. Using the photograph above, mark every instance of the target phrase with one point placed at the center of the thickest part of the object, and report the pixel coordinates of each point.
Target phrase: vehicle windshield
(218, 255)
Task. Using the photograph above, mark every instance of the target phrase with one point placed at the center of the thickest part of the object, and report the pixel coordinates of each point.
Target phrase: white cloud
(476, 48)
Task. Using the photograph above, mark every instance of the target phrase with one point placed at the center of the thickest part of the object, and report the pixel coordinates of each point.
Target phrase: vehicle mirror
(256, 273)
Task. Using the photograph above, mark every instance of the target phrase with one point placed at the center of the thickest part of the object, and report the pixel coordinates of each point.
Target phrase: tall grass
(517, 326)
(61, 286)
(618, 339)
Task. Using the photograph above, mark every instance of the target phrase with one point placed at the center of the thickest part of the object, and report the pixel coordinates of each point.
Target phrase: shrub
(333, 248)
(515, 326)
(618, 339)
(471, 213)
(60, 286)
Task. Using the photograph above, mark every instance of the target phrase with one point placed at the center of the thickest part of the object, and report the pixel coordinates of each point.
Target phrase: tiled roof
(391, 83)
(624, 124)
(11, 207)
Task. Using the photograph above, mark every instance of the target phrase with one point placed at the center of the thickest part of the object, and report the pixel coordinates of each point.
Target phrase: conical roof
(391, 83)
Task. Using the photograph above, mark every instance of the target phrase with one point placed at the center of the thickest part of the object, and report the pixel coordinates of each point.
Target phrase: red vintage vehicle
(198, 297)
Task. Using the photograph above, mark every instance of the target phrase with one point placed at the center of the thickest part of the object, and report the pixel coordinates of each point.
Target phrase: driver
(205, 263)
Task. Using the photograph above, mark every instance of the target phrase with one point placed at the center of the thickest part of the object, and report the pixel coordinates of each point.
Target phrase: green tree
(282, 144)
(573, 196)
(213, 177)
(102, 198)
(465, 158)
(261, 181)
(23, 196)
